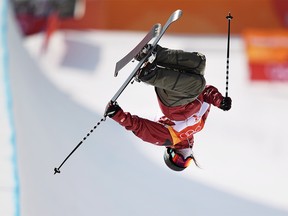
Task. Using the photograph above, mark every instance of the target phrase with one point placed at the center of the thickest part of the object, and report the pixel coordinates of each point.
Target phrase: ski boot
(149, 67)
(143, 52)
(146, 72)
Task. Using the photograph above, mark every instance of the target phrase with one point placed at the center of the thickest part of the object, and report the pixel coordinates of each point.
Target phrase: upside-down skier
(184, 99)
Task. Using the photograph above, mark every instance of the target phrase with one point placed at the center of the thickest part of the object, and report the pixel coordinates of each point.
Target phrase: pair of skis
(155, 32)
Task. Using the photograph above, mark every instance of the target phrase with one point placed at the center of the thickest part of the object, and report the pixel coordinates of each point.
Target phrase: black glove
(111, 109)
(143, 52)
(226, 104)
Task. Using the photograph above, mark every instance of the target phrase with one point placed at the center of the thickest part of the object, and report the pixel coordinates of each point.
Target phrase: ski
(155, 31)
(173, 17)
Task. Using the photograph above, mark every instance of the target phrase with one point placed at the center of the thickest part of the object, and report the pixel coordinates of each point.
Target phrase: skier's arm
(145, 129)
(211, 95)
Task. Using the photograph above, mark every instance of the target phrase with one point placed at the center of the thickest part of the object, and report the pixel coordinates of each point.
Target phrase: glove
(111, 109)
(226, 104)
(143, 52)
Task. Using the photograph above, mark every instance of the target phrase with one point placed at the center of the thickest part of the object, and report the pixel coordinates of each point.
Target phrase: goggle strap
(194, 160)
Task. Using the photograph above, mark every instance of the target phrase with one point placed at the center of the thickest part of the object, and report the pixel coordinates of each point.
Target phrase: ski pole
(229, 18)
(57, 169)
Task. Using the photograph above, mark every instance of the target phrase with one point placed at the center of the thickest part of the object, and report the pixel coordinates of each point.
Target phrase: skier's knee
(200, 68)
(192, 62)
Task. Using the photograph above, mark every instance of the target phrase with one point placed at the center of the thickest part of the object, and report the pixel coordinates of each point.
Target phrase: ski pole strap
(229, 18)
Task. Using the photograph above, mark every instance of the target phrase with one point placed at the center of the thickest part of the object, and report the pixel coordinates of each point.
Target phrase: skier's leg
(176, 84)
(174, 80)
(172, 65)
(194, 62)
(174, 87)
(184, 90)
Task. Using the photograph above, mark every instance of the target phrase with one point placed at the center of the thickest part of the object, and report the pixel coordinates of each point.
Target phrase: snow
(61, 94)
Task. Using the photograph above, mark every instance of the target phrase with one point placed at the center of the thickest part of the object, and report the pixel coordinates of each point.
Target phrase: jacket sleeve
(145, 129)
(212, 96)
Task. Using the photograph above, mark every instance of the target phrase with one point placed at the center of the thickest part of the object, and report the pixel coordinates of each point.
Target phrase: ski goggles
(178, 159)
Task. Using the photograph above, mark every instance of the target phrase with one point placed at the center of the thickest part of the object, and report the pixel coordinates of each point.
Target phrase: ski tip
(158, 28)
(116, 71)
(176, 15)
(179, 12)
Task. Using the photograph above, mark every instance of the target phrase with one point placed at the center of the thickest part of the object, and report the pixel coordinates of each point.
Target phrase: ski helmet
(176, 161)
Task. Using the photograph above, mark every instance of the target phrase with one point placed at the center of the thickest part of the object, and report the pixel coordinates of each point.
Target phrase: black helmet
(176, 161)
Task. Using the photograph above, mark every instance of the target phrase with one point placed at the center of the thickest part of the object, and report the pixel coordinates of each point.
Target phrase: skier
(184, 99)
